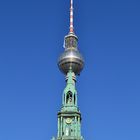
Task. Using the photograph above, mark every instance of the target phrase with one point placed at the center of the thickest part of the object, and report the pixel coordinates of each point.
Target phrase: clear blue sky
(31, 86)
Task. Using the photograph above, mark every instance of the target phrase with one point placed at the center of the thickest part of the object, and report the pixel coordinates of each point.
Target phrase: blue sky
(31, 86)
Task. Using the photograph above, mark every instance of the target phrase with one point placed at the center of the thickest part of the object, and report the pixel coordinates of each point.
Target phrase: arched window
(69, 98)
(67, 131)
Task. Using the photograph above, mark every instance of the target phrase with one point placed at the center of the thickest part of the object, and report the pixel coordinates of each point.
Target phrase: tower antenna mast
(71, 17)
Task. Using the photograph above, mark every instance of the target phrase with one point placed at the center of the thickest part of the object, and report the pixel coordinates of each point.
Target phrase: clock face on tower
(68, 120)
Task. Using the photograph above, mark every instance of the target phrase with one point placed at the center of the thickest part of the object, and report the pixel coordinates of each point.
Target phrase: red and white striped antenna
(71, 17)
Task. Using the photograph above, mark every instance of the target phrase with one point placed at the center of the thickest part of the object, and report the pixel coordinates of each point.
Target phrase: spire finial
(71, 17)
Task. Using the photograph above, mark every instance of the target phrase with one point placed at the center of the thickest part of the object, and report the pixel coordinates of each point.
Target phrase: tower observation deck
(70, 64)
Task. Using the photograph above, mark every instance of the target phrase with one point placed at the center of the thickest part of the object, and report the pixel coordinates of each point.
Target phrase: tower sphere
(71, 57)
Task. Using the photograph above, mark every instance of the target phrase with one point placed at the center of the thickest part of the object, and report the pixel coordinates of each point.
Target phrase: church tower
(70, 64)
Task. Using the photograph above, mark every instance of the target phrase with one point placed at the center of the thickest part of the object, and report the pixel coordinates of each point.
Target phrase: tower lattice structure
(71, 64)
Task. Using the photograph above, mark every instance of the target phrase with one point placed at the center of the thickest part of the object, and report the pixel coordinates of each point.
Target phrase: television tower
(70, 64)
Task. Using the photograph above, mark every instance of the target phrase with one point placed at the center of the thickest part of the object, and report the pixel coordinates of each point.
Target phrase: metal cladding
(71, 57)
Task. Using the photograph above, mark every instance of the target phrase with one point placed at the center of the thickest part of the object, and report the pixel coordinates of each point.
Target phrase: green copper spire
(70, 64)
(69, 118)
